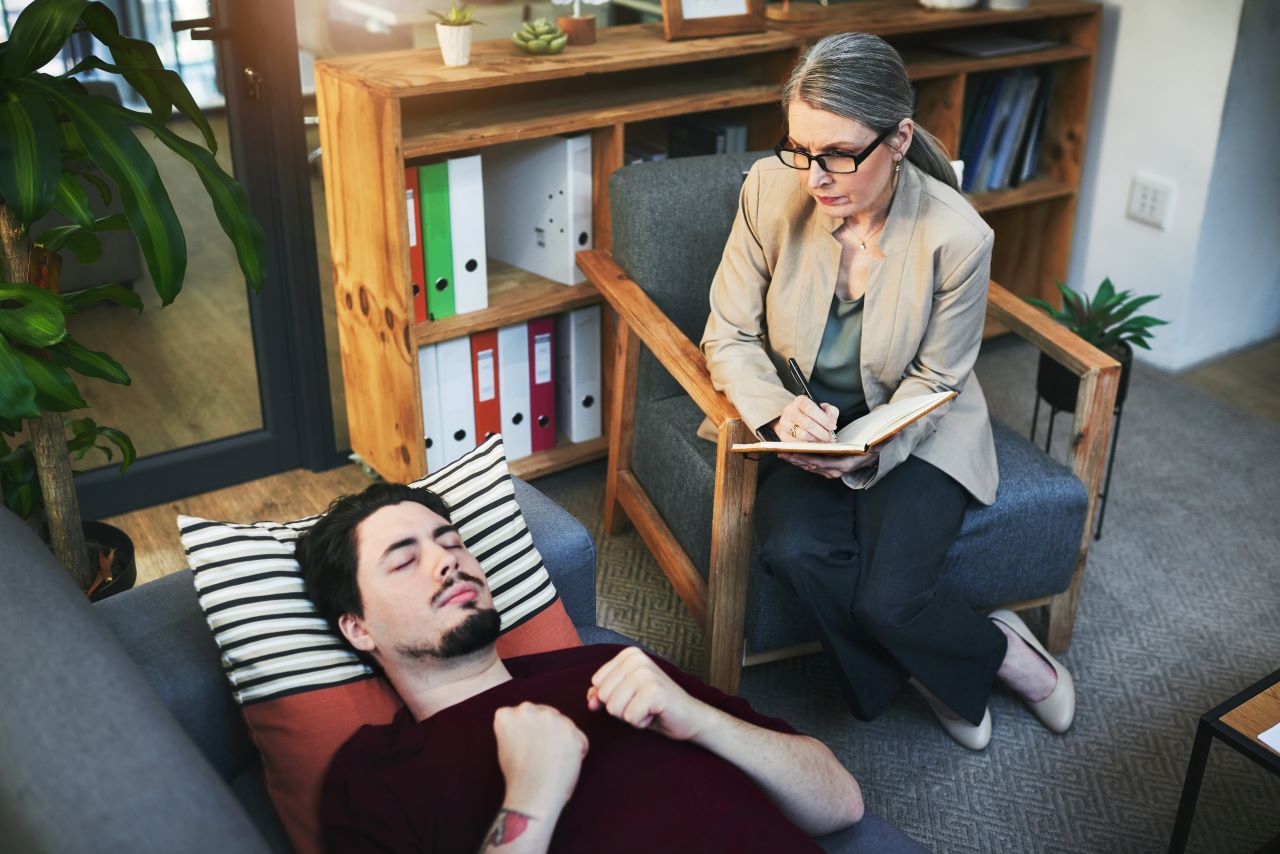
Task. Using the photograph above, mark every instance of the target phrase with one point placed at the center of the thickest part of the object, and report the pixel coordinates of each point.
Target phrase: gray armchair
(691, 500)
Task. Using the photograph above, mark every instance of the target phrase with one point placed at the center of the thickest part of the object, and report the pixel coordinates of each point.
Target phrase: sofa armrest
(566, 549)
(672, 348)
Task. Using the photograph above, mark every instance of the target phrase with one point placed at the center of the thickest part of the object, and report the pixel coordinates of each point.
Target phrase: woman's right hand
(804, 420)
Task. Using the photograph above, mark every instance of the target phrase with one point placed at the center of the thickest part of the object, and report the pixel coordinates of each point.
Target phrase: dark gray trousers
(869, 565)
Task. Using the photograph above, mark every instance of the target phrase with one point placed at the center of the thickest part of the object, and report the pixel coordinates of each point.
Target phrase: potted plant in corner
(1108, 322)
(57, 142)
(453, 31)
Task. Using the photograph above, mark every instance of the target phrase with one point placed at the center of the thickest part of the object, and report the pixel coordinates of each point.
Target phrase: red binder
(542, 384)
(484, 384)
(417, 261)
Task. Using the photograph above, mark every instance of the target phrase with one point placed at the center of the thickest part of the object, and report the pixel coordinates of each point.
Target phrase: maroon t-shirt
(436, 785)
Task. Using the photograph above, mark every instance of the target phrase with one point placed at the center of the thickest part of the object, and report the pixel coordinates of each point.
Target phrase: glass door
(228, 384)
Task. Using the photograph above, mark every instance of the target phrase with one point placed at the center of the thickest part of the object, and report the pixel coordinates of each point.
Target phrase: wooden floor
(1250, 379)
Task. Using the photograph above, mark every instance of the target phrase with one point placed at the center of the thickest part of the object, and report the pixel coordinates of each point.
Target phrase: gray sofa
(118, 731)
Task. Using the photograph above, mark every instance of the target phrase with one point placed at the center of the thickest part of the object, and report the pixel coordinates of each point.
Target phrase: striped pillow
(302, 689)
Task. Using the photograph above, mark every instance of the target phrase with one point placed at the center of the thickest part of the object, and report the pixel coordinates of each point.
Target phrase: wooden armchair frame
(719, 603)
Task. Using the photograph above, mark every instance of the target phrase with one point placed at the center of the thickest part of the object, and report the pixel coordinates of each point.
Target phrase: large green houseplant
(57, 143)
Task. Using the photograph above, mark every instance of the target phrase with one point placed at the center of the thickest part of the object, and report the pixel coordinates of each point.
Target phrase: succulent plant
(1107, 320)
(540, 37)
(457, 16)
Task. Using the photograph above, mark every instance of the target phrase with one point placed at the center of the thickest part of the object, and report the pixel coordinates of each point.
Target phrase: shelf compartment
(927, 64)
(1035, 190)
(515, 295)
(435, 126)
(565, 455)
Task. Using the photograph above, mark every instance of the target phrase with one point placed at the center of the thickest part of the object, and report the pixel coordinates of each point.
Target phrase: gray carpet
(1180, 610)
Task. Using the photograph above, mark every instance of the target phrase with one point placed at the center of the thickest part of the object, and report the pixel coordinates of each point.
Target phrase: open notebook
(860, 436)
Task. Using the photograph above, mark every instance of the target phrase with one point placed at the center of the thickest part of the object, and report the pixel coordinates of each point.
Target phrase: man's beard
(479, 630)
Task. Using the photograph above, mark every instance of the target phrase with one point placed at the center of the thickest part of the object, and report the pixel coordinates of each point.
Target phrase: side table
(1237, 722)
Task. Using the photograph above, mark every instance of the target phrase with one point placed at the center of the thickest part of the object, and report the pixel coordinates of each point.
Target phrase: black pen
(804, 386)
(799, 378)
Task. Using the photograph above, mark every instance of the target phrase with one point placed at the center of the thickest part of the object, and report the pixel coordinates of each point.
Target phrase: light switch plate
(1151, 200)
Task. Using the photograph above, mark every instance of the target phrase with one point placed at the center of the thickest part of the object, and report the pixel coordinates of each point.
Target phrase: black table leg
(1191, 789)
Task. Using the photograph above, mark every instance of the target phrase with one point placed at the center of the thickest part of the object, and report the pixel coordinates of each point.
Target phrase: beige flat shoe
(1057, 710)
(964, 733)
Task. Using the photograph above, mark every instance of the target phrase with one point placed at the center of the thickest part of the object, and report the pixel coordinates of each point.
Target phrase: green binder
(437, 240)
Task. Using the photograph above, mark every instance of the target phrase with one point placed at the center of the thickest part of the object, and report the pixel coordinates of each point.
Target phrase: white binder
(457, 407)
(467, 232)
(513, 390)
(578, 373)
(433, 432)
(538, 204)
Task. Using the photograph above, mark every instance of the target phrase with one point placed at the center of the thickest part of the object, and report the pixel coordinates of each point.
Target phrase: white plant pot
(948, 4)
(455, 44)
(1007, 5)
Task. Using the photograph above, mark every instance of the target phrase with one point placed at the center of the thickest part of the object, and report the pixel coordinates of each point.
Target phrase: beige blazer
(922, 318)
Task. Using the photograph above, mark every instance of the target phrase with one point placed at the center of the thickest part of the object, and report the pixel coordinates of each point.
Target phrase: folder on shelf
(417, 269)
(432, 429)
(538, 204)
(1009, 87)
(513, 390)
(466, 219)
(437, 240)
(980, 141)
(578, 373)
(484, 383)
(457, 409)
(1029, 153)
(1002, 170)
(542, 384)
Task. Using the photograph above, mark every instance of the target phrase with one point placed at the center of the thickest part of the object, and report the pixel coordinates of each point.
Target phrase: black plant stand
(1111, 456)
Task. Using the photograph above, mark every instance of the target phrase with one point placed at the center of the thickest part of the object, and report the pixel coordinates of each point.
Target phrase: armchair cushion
(992, 562)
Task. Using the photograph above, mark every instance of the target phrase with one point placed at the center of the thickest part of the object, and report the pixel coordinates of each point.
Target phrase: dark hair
(861, 77)
(327, 552)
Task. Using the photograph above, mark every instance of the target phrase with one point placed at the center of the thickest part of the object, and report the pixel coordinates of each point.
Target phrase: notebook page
(885, 419)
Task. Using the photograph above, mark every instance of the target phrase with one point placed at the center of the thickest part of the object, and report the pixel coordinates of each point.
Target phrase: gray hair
(861, 77)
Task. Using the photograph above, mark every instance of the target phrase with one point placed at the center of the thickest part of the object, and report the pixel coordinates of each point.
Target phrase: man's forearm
(515, 831)
(798, 773)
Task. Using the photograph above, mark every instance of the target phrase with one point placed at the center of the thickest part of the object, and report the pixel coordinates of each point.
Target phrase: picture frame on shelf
(691, 19)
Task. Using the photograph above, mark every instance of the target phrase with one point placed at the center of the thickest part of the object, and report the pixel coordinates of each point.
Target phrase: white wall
(1235, 286)
(1160, 92)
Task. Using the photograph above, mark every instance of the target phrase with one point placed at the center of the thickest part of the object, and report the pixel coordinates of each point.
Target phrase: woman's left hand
(830, 466)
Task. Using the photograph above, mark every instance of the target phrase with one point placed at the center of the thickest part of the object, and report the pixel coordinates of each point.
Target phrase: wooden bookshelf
(380, 111)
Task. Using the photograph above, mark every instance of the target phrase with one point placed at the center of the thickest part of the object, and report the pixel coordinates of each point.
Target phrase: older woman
(854, 253)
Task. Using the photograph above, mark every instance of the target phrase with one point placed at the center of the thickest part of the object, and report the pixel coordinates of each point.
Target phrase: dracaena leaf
(84, 244)
(29, 159)
(17, 392)
(72, 201)
(124, 160)
(1106, 293)
(111, 292)
(74, 356)
(55, 389)
(127, 452)
(230, 203)
(39, 33)
(36, 320)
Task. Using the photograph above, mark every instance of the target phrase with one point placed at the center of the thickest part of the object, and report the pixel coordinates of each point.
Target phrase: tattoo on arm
(508, 826)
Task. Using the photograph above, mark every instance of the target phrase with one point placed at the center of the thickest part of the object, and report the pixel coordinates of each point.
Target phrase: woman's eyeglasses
(835, 162)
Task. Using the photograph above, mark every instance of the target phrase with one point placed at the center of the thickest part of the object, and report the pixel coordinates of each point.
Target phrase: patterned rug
(1180, 610)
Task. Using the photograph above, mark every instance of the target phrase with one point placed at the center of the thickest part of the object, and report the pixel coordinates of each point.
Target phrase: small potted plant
(1109, 322)
(580, 28)
(453, 30)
